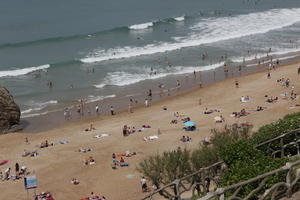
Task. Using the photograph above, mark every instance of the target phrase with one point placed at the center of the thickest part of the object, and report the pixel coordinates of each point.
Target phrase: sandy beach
(56, 165)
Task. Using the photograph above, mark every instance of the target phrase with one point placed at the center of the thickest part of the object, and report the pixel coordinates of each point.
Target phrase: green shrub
(203, 157)
(245, 162)
(288, 123)
(229, 135)
(165, 168)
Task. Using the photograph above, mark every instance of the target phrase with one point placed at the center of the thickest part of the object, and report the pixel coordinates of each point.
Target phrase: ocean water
(100, 49)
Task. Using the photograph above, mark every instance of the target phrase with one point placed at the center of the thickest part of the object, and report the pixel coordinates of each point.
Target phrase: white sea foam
(37, 106)
(141, 26)
(179, 19)
(100, 86)
(122, 78)
(92, 98)
(209, 30)
(34, 114)
(18, 72)
(277, 53)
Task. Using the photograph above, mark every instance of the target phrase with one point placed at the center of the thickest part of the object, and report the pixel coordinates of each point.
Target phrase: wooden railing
(191, 185)
(263, 191)
(277, 146)
(207, 179)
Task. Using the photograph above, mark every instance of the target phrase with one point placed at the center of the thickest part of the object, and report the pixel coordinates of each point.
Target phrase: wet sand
(55, 166)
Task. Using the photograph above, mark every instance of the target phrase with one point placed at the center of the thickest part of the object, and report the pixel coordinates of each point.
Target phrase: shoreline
(60, 163)
(56, 118)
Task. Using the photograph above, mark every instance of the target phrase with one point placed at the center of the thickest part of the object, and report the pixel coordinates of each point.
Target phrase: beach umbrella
(189, 123)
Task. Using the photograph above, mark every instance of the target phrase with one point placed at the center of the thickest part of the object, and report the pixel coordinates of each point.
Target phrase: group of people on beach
(20, 172)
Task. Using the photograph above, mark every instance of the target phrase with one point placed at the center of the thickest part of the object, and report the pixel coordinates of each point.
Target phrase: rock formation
(9, 112)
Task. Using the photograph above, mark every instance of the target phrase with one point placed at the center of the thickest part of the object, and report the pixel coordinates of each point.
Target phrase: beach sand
(55, 166)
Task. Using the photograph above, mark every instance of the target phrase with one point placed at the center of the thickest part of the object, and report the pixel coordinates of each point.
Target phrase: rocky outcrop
(9, 112)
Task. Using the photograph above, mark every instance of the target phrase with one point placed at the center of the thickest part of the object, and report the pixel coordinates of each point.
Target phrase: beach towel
(3, 162)
(153, 137)
(245, 100)
(64, 142)
(123, 164)
(61, 142)
(102, 135)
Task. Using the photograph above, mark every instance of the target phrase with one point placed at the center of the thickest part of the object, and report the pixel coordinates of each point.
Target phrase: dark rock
(9, 112)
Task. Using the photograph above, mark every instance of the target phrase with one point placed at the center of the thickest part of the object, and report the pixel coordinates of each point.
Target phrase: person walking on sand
(299, 71)
(112, 110)
(26, 141)
(144, 184)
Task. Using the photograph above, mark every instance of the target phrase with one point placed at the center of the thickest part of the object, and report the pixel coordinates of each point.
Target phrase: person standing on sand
(150, 94)
(130, 108)
(146, 103)
(97, 109)
(178, 85)
(78, 109)
(269, 75)
(50, 84)
(112, 110)
(236, 83)
(17, 168)
(81, 105)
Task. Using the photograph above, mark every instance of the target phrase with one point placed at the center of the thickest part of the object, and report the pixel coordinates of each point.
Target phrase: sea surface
(99, 49)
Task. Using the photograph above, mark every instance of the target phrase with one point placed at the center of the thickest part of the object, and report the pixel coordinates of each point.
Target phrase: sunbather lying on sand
(186, 139)
(174, 121)
(74, 181)
(89, 161)
(91, 128)
(210, 111)
(245, 99)
(84, 150)
(126, 154)
(45, 144)
(272, 100)
(239, 114)
(29, 153)
(219, 119)
(260, 108)
(186, 119)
